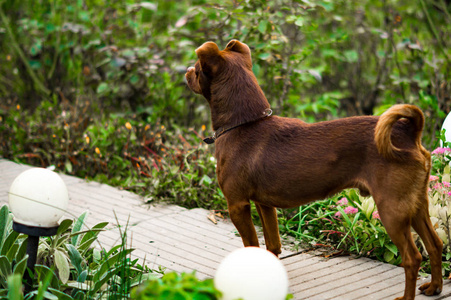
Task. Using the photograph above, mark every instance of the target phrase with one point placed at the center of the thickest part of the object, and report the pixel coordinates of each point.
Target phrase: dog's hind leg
(397, 224)
(240, 214)
(434, 246)
(268, 216)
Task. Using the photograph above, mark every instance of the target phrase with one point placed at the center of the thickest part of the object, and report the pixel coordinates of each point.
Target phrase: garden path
(182, 239)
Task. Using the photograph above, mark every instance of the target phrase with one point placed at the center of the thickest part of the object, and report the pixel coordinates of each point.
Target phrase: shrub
(174, 286)
(68, 267)
(124, 150)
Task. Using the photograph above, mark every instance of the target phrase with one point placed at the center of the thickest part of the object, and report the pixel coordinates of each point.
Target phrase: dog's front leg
(268, 216)
(240, 213)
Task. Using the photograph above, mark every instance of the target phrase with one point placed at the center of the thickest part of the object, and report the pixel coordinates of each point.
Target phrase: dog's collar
(222, 130)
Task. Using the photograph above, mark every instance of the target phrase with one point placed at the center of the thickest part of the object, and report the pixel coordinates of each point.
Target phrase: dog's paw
(430, 289)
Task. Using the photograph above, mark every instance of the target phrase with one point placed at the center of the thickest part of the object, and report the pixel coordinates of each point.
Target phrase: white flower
(442, 234)
(443, 213)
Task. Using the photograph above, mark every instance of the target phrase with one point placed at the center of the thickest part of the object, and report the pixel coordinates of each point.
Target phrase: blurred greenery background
(96, 88)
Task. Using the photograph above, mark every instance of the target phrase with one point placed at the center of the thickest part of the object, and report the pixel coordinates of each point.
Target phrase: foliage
(174, 286)
(68, 267)
(347, 222)
(362, 230)
(440, 198)
(121, 150)
(314, 59)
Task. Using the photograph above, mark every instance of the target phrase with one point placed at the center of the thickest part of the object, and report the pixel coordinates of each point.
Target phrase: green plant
(174, 286)
(363, 231)
(440, 200)
(347, 222)
(68, 267)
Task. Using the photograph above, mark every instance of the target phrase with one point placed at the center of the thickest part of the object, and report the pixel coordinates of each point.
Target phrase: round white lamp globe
(447, 125)
(251, 273)
(38, 197)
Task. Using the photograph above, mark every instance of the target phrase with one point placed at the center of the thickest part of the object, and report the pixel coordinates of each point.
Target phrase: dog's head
(214, 66)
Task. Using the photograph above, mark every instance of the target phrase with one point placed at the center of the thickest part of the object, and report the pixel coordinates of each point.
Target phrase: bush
(68, 267)
(124, 150)
(174, 286)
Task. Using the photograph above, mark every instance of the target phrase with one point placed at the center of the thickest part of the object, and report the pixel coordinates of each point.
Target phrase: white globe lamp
(251, 273)
(38, 199)
(447, 125)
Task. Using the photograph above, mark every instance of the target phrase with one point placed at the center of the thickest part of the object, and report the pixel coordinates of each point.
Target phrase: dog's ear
(209, 57)
(237, 46)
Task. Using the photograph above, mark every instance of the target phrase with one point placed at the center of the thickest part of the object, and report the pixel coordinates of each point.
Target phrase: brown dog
(283, 162)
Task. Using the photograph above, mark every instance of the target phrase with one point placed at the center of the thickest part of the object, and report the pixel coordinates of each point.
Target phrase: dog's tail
(384, 126)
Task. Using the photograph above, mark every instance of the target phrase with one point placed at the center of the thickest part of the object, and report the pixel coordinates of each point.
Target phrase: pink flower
(376, 215)
(433, 178)
(449, 193)
(441, 150)
(342, 201)
(437, 186)
(350, 210)
(446, 184)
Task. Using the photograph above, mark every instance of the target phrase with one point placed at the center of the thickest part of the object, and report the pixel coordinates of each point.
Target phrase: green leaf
(78, 225)
(68, 166)
(75, 258)
(4, 218)
(206, 179)
(299, 21)
(20, 267)
(62, 265)
(102, 88)
(392, 248)
(83, 275)
(35, 64)
(388, 256)
(12, 251)
(264, 56)
(351, 56)
(9, 241)
(64, 226)
(262, 26)
(44, 272)
(134, 79)
(5, 266)
(21, 252)
(105, 276)
(15, 287)
(94, 232)
(80, 285)
(109, 263)
(59, 294)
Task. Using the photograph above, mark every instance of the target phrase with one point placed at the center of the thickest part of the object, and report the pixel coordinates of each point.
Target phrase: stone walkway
(185, 240)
